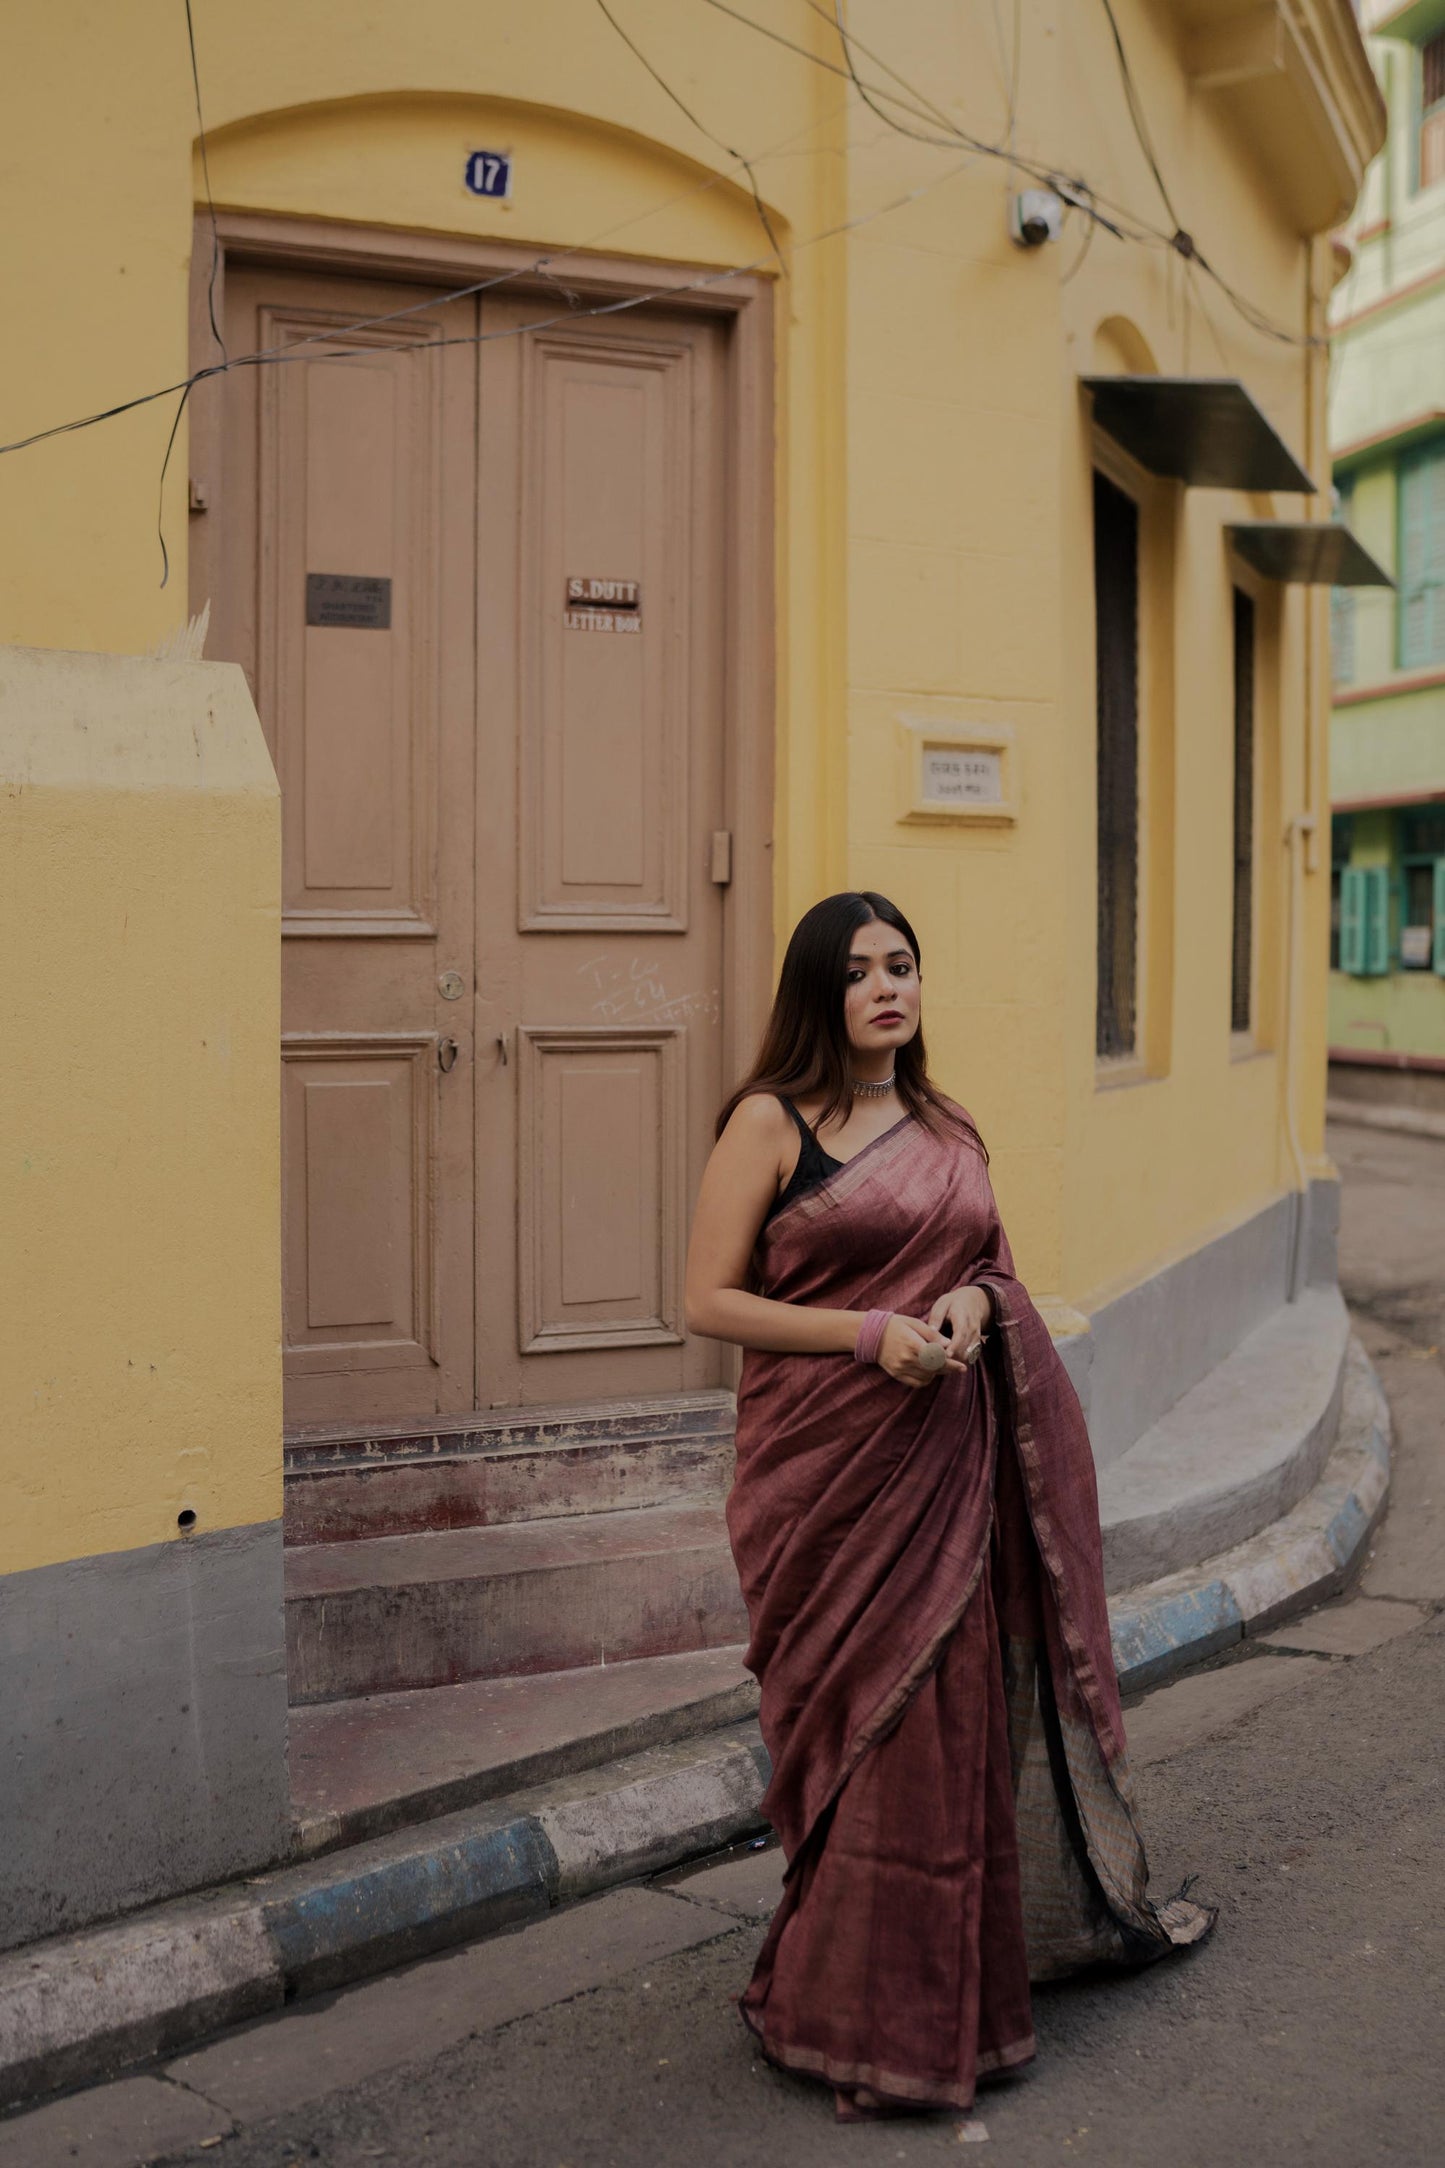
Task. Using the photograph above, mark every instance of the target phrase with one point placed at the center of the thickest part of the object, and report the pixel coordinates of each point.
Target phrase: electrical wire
(336, 350)
(1123, 223)
(947, 142)
(206, 177)
(1077, 193)
(1181, 240)
(662, 83)
(539, 266)
(1141, 125)
(1015, 67)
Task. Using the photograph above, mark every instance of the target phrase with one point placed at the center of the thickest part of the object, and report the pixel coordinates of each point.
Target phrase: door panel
(601, 783)
(605, 742)
(347, 593)
(600, 1186)
(360, 1253)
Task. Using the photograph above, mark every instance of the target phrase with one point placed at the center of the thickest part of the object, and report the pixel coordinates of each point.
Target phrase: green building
(1387, 436)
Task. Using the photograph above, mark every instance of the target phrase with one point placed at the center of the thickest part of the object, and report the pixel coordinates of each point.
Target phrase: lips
(889, 1016)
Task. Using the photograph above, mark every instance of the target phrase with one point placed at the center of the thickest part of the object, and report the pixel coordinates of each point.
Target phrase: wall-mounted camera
(1035, 215)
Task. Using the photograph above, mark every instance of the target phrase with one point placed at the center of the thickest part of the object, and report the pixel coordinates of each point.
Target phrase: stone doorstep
(1234, 1454)
(397, 1612)
(93, 2004)
(473, 1471)
(623, 1555)
(362, 1767)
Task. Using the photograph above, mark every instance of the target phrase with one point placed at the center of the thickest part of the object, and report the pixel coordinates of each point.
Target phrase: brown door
(478, 592)
(346, 590)
(601, 885)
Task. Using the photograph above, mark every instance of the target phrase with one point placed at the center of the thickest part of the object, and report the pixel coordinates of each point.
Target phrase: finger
(939, 1312)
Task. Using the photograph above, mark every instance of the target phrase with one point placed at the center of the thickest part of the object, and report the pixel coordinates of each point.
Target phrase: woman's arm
(748, 1162)
(740, 1182)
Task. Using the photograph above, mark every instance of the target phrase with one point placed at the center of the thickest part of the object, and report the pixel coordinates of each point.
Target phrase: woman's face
(881, 998)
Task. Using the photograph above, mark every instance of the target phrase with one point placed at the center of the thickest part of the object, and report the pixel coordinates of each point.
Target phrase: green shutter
(1342, 635)
(1377, 921)
(1352, 920)
(1439, 952)
(1421, 485)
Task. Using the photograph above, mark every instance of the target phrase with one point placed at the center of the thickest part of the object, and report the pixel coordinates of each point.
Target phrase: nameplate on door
(595, 605)
(348, 599)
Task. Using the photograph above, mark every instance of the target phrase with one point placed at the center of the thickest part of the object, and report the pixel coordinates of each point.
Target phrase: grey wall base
(1154, 1343)
(142, 1727)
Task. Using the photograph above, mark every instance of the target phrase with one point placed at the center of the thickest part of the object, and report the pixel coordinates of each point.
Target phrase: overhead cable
(662, 83)
(336, 350)
(1083, 196)
(206, 177)
(1181, 240)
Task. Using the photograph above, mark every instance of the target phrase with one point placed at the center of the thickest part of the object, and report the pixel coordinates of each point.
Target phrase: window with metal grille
(1420, 845)
(1432, 111)
(1422, 557)
(1422, 831)
(1241, 966)
(1116, 625)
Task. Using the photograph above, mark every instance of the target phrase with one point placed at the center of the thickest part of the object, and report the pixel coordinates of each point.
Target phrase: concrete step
(482, 1471)
(1236, 1453)
(395, 1612)
(362, 1767)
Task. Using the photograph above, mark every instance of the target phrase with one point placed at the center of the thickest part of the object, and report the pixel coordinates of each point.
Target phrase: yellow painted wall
(139, 1181)
(933, 460)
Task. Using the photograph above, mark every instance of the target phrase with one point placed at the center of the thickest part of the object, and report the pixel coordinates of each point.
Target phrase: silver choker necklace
(880, 1090)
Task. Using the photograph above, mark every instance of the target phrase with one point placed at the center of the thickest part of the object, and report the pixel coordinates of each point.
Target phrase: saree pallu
(925, 1591)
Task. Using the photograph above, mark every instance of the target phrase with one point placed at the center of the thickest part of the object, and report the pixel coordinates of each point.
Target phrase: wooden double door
(476, 574)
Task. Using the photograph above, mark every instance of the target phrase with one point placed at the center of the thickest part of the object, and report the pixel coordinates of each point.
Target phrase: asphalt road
(1302, 1780)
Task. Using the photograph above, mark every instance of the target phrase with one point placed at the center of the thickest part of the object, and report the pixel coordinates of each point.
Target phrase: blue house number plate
(489, 173)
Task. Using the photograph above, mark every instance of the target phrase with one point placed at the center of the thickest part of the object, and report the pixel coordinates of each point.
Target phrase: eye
(903, 970)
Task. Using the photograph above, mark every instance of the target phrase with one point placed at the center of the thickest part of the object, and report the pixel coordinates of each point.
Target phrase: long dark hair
(805, 1047)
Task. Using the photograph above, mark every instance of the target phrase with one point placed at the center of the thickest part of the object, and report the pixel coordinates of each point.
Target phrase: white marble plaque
(961, 775)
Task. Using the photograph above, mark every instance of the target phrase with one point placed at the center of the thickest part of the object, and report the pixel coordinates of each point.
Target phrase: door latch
(447, 1052)
(720, 859)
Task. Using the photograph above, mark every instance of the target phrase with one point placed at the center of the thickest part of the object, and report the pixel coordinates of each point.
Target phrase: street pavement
(1301, 1779)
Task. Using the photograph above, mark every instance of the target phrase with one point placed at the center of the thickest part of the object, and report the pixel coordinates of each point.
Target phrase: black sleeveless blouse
(814, 1165)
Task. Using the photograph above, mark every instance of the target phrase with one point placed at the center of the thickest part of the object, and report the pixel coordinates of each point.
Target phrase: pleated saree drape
(924, 1583)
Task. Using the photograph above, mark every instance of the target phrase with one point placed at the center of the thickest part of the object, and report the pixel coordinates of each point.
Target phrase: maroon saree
(925, 1589)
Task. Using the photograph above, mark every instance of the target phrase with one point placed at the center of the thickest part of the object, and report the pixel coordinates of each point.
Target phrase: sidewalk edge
(1307, 1555)
(88, 2006)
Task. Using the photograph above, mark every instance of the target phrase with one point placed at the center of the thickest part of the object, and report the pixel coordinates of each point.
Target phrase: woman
(916, 1528)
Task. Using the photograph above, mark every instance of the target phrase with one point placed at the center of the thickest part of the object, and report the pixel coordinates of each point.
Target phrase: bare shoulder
(758, 1123)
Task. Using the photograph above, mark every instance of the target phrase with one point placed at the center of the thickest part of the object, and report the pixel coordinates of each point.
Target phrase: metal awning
(1321, 553)
(1203, 430)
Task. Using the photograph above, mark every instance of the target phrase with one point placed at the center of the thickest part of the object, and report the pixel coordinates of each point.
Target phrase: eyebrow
(888, 959)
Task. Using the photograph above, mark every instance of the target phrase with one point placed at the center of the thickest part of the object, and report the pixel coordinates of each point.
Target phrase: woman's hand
(969, 1313)
(904, 1339)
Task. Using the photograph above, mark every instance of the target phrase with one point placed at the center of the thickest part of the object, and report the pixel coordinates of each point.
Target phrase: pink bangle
(870, 1336)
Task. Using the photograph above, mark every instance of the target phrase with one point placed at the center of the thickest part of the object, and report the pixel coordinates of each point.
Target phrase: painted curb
(1299, 1560)
(87, 2006)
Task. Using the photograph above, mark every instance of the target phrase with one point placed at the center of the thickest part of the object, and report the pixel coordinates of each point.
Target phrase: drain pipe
(1298, 831)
